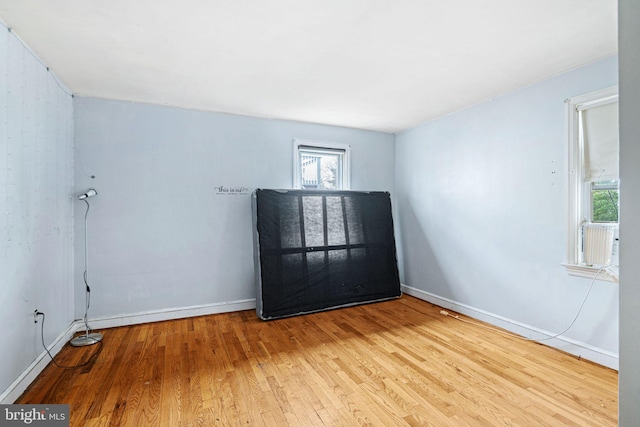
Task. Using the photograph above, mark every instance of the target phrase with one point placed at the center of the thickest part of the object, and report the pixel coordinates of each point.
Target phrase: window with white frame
(321, 165)
(593, 184)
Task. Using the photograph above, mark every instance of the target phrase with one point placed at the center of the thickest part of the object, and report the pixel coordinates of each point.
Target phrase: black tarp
(316, 250)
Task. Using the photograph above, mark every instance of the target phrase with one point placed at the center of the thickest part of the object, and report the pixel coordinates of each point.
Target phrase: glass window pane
(321, 170)
(604, 201)
(605, 185)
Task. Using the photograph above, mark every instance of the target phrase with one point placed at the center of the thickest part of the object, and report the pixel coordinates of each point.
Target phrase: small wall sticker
(231, 191)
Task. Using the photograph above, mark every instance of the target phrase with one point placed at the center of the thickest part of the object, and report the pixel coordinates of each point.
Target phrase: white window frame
(320, 145)
(576, 202)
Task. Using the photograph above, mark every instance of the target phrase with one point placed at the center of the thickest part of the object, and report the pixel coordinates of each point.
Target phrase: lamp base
(86, 339)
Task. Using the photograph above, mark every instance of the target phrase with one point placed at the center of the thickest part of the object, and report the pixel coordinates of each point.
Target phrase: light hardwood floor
(394, 363)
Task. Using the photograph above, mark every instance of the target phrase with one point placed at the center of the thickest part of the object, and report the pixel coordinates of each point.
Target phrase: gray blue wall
(36, 224)
(482, 208)
(160, 235)
(629, 378)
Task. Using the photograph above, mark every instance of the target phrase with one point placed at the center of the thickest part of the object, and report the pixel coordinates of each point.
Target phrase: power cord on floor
(455, 316)
(91, 359)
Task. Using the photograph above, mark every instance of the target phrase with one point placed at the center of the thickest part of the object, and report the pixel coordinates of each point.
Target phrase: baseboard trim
(15, 390)
(25, 379)
(576, 348)
(168, 314)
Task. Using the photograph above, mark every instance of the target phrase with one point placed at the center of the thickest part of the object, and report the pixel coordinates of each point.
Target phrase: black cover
(316, 250)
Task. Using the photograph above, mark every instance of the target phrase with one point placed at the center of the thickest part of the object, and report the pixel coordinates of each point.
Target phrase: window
(321, 165)
(604, 201)
(593, 183)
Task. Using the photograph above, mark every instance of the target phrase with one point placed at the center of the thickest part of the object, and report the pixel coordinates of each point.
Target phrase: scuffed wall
(36, 207)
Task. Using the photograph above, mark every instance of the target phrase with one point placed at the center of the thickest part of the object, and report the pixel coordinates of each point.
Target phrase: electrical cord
(579, 309)
(91, 358)
(604, 268)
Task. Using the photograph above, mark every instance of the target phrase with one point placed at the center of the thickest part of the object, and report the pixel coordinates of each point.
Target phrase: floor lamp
(87, 338)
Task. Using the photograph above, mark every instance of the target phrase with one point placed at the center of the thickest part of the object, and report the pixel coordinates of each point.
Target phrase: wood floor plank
(395, 363)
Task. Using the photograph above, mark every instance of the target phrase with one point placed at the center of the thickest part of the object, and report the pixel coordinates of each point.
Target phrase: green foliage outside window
(605, 205)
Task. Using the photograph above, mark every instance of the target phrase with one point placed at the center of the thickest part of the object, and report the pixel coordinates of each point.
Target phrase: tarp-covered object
(317, 250)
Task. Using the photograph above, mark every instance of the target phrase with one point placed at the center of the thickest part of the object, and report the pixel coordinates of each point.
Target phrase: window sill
(609, 275)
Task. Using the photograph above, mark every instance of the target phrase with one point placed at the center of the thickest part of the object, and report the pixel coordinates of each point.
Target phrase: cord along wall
(321, 250)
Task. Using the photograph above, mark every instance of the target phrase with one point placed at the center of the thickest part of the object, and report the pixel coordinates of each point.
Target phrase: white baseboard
(18, 387)
(168, 314)
(576, 348)
(21, 383)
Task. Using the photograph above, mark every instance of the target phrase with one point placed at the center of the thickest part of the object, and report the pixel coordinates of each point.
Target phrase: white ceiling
(384, 65)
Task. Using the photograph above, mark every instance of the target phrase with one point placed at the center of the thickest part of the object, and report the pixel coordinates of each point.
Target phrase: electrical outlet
(35, 315)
